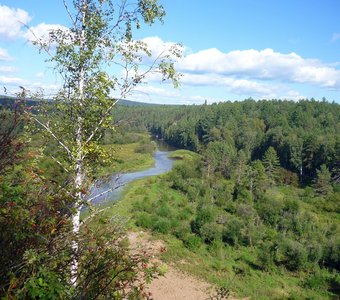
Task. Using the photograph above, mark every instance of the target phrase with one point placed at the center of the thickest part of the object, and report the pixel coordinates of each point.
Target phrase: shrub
(294, 255)
(145, 148)
(210, 232)
(164, 210)
(182, 231)
(232, 231)
(162, 225)
(192, 242)
(144, 220)
(205, 214)
(317, 281)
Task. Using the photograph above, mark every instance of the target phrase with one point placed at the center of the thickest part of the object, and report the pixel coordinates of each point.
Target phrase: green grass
(126, 159)
(184, 154)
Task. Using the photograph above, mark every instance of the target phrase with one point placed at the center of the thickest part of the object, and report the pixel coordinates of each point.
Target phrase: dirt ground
(175, 285)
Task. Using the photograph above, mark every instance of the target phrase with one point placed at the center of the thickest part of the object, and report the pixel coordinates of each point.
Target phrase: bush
(182, 231)
(164, 210)
(192, 242)
(145, 148)
(143, 205)
(332, 253)
(293, 254)
(144, 220)
(318, 280)
(232, 231)
(162, 226)
(210, 232)
(205, 214)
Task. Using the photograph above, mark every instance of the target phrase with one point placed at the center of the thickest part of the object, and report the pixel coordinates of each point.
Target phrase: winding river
(117, 182)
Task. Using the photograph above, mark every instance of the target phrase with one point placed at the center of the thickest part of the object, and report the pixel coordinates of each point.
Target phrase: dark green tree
(322, 184)
(271, 164)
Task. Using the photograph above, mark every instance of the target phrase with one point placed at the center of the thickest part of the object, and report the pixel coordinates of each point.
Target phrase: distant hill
(8, 101)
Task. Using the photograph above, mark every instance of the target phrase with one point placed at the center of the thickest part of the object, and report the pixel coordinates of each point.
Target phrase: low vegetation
(282, 243)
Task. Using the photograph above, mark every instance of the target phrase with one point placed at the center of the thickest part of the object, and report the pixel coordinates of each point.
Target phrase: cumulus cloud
(241, 86)
(12, 21)
(158, 47)
(264, 65)
(42, 31)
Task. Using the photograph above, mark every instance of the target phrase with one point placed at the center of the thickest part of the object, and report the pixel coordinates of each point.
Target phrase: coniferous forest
(249, 203)
(263, 183)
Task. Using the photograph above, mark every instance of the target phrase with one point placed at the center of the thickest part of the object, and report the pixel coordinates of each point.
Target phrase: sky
(232, 49)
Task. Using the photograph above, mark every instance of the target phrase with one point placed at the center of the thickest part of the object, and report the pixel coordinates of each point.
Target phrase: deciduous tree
(100, 37)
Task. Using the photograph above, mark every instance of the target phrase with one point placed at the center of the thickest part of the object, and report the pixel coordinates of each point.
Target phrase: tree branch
(49, 130)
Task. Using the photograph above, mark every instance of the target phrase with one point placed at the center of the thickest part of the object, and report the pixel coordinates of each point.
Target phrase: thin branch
(48, 129)
(103, 193)
(69, 14)
(94, 214)
(101, 121)
(60, 164)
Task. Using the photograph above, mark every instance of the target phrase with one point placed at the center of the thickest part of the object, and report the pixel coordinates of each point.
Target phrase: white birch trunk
(79, 172)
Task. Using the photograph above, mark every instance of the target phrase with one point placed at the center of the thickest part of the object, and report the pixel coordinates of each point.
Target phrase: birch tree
(97, 57)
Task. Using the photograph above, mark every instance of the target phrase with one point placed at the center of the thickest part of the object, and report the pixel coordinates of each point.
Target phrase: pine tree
(322, 184)
(271, 164)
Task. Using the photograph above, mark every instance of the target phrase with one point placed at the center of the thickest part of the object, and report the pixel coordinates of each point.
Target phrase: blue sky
(288, 49)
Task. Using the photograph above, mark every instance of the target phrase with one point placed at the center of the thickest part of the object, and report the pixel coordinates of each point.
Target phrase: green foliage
(192, 242)
(146, 148)
(271, 164)
(292, 254)
(322, 184)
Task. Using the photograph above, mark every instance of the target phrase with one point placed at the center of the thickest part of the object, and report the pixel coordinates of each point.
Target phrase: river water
(117, 182)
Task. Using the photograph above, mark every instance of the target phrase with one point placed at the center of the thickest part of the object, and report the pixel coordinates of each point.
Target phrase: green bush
(204, 214)
(164, 211)
(318, 281)
(211, 232)
(232, 232)
(143, 205)
(144, 220)
(162, 225)
(146, 148)
(192, 242)
(182, 231)
(293, 254)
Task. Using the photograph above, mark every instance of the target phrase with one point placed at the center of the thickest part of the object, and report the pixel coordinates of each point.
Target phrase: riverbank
(126, 158)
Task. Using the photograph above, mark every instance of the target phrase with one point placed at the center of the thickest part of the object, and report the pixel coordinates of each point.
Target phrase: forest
(263, 182)
(254, 192)
(251, 205)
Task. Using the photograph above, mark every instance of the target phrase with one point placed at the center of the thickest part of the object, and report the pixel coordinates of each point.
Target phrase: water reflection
(117, 181)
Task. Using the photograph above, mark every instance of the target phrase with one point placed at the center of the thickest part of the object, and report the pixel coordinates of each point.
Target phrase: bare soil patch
(175, 284)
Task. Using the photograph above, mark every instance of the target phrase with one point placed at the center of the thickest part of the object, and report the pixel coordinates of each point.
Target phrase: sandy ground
(175, 285)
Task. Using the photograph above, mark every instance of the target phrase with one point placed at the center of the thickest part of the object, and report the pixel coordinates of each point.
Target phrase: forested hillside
(259, 203)
(304, 135)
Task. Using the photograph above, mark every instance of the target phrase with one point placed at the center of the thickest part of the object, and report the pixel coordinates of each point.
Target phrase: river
(117, 182)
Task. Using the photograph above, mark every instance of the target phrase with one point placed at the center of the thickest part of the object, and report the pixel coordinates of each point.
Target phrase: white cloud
(157, 46)
(42, 31)
(7, 69)
(4, 56)
(263, 65)
(242, 87)
(8, 80)
(12, 21)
